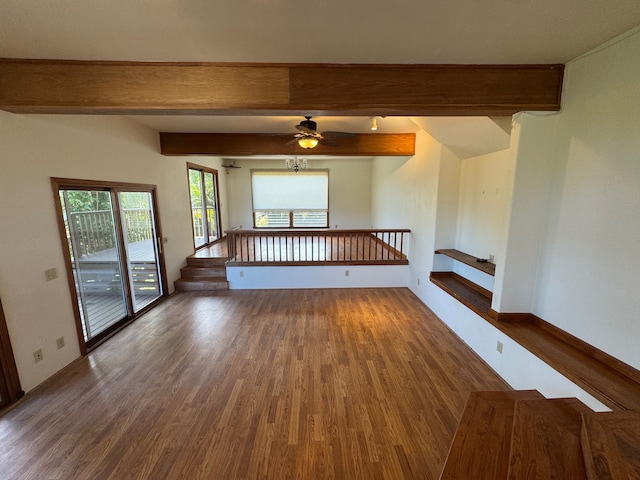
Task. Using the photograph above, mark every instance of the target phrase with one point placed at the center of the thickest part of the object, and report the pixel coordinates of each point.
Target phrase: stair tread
(545, 440)
(486, 422)
(199, 272)
(186, 285)
(203, 280)
(611, 446)
(206, 261)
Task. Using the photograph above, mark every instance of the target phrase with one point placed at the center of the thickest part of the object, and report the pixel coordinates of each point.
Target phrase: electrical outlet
(499, 347)
(241, 274)
(37, 355)
(346, 273)
(50, 274)
(418, 281)
(60, 342)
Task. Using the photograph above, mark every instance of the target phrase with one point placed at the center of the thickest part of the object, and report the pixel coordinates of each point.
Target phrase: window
(288, 199)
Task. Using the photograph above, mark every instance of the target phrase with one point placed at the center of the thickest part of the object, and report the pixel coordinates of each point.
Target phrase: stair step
(206, 261)
(218, 271)
(611, 445)
(480, 447)
(545, 440)
(200, 284)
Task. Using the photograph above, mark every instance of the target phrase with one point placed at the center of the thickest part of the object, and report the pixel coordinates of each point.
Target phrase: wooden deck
(142, 251)
(102, 285)
(105, 310)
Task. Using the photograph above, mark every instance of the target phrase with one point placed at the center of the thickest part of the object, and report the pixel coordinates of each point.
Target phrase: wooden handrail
(318, 247)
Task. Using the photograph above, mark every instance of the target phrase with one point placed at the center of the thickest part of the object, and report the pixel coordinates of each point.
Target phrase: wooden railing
(318, 247)
(198, 221)
(94, 230)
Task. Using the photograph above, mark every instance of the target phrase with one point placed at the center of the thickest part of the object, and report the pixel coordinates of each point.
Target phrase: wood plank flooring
(263, 384)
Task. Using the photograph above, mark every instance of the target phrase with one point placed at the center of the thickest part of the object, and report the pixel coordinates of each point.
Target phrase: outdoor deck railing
(94, 230)
(199, 219)
(317, 247)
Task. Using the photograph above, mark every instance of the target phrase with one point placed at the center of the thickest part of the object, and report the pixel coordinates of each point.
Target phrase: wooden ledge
(612, 382)
(486, 267)
(466, 292)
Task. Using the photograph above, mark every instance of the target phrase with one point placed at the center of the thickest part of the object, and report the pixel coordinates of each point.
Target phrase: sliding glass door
(205, 215)
(95, 257)
(112, 239)
(141, 245)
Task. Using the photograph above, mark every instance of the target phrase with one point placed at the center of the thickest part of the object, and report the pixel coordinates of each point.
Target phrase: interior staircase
(203, 274)
(521, 435)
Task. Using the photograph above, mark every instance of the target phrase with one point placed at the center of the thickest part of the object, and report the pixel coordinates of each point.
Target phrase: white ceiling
(332, 31)
(335, 31)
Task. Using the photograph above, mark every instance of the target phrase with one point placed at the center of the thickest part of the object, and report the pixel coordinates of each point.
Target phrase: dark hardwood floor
(278, 384)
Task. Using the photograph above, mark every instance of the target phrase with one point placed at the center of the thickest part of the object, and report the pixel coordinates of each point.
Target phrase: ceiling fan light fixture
(308, 142)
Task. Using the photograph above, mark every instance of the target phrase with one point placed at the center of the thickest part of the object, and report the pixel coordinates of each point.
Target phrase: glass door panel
(95, 258)
(197, 212)
(142, 259)
(210, 197)
(203, 190)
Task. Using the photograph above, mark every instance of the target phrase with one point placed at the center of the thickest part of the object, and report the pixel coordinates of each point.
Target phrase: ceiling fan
(309, 137)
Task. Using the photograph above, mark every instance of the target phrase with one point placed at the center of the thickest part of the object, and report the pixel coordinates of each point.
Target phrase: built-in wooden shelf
(462, 289)
(465, 291)
(486, 267)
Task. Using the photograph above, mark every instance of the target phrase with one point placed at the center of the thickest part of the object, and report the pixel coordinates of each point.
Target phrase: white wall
(588, 279)
(35, 148)
(517, 259)
(484, 183)
(328, 276)
(405, 193)
(349, 190)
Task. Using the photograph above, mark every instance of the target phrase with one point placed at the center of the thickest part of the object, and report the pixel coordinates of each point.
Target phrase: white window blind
(276, 190)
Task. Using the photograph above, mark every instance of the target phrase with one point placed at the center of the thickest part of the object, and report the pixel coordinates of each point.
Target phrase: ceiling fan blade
(304, 129)
(292, 142)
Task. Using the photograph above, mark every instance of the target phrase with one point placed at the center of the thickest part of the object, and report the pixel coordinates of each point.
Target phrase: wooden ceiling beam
(131, 88)
(245, 144)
